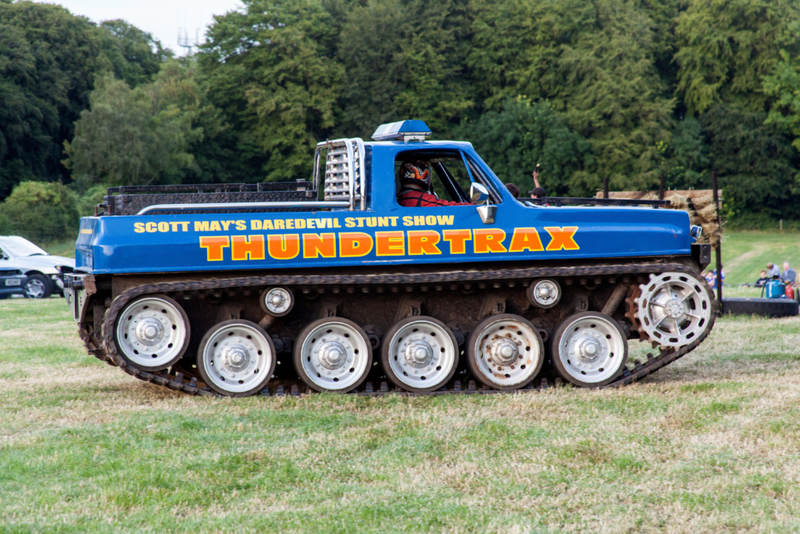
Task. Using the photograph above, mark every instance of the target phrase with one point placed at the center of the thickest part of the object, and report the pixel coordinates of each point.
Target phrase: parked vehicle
(239, 289)
(44, 271)
(12, 282)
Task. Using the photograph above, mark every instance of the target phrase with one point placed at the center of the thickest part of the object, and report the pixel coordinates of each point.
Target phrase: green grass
(709, 444)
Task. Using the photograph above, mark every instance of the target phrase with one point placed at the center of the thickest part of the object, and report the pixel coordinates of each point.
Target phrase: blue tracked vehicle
(331, 285)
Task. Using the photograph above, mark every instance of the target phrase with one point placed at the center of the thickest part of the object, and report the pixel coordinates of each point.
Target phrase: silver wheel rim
(421, 354)
(151, 332)
(507, 353)
(34, 289)
(674, 309)
(236, 357)
(591, 349)
(335, 356)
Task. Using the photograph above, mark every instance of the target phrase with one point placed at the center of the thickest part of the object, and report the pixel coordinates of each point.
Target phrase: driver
(416, 189)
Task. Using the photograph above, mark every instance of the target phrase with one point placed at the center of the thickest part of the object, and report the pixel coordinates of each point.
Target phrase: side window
(449, 177)
(479, 176)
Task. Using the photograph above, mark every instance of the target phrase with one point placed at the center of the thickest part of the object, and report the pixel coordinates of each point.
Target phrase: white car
(44, 271)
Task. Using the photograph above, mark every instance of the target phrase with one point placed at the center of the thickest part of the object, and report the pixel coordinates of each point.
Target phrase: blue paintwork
(110, 244)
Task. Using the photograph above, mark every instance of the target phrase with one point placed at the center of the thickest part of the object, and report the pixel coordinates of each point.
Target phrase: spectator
(538, 190)
(711, 278)
(763, 279)
(789, 276)
(773, 271)
(513, 189)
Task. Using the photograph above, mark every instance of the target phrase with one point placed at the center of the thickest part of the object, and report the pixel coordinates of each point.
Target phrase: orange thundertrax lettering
(316, 245)
(422, 242)
(243, 248)
(458, 240)
(354, 244)
(390, 244)
(525, 239)
(562, 238)
(214, 246)
(284, 246)
(489, 240)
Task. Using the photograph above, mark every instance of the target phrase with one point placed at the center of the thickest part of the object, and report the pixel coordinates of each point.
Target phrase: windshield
(19, 246)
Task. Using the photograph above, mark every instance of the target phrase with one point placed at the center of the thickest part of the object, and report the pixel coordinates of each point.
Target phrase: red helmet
(415, 172)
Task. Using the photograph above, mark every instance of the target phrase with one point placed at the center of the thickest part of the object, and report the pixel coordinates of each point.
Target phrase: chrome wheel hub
(278, 301)
(149, 331)
(333, 355)
(419, 354)
(235, 357)
(504, 351)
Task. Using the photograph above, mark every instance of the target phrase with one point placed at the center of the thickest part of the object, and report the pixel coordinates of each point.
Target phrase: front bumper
(76, 294)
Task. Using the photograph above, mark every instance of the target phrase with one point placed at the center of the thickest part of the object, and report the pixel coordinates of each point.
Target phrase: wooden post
(661, 187)
(718, 248)
(605, 187)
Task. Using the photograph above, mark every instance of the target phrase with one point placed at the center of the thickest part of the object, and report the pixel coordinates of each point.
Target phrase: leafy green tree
(783, 87)
(48, 62)
(41, 212)
(135, 55)
(404, 60)
(686, 159)
(597, 62)
(129, 138)
(756, 165)
(523, 134)
(271, 69)
(726, 47)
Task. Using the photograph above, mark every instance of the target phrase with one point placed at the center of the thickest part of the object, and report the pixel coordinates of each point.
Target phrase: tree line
(629, 90)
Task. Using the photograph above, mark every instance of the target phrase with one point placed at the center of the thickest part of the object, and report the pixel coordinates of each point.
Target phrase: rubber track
(178, 382)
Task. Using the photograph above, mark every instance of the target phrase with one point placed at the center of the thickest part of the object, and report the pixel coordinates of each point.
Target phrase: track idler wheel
(333, 354)
(505, 352)
(589, 349)
(674, 309)
(236, 358)
(419, 354)
(152, 332)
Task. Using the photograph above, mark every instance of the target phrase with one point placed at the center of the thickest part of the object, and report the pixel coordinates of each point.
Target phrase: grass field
(710, 444)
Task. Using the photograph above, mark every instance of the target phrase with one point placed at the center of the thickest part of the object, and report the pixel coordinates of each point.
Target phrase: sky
(162, 18)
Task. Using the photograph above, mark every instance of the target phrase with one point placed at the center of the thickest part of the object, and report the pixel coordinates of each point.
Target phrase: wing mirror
(479, 193)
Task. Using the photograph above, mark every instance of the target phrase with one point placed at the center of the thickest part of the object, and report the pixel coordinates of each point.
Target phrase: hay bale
(695, 220)
(711, 233)
(702, 202)
(678, 202)
(709, 213)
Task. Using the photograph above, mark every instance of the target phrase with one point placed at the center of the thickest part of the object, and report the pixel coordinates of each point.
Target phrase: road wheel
(589, 349)
(37, 287)
(505, 352)
(419, 354)
(152, 332)
(333, 354)
(236, 358)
